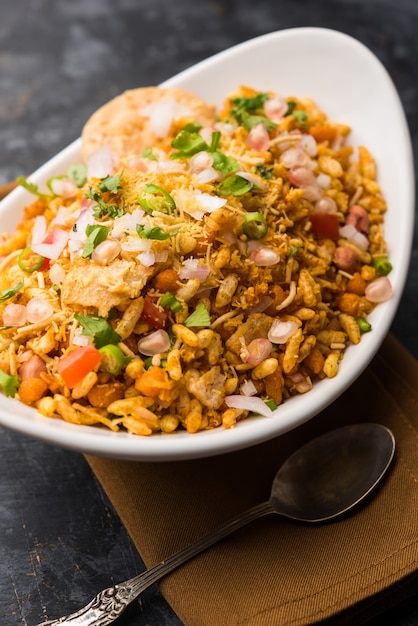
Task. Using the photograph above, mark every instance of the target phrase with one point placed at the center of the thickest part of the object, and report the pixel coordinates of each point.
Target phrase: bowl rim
(182, 445)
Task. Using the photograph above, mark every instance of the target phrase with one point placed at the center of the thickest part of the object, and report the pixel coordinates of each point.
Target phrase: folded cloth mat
(276, 571)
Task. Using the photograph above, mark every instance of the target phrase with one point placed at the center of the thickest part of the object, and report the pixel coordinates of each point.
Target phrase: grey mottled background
(60, 540)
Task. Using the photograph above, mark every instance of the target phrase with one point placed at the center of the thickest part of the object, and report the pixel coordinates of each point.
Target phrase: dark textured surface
(60, 540)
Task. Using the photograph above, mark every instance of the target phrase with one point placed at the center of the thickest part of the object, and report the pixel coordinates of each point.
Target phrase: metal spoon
(322, 480)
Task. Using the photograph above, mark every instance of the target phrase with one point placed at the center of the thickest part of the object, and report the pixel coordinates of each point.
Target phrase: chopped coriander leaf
(154, 233)
(77, 173)
(171, 301)
(263, 171)
(199, 317)
(234, 185)
(102, 210)
(148, 154)
(9, 293)
(294, 250)
(192, 127)
(158, 199)
(187, 144)
(251, 104)
(224, 164)
(110, 183)
(9, 383)
(96, 233)
(300, 116)
(248, 121)
(31, 187)
(98, 328)
(291, 106)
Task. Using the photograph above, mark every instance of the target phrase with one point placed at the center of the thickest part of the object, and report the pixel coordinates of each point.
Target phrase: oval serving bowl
(352, 87)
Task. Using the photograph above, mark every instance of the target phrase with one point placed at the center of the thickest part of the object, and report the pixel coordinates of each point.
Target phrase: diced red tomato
(154, 315)
(77, 363)
(325, 225)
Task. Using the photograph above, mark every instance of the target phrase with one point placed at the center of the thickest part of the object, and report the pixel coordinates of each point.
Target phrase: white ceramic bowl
(351, 86)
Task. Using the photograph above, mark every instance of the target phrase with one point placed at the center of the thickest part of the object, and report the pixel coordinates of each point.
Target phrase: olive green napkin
(274, 571)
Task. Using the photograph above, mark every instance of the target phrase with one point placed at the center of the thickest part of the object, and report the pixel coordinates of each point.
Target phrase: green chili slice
(254, 226)
(113, 359)
(382, 266)
(29, 261)
(363, 324)
(159, 200)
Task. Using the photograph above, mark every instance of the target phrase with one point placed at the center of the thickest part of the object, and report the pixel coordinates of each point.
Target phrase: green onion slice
(171, 301)
(113, 359)
(382, 266)
(363, 324)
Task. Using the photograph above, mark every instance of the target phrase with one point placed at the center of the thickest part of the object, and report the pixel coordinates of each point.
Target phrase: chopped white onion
(56, 274)
(136, 244)
(208, 202)
(258, 350)
(248, 388)
(258, 138)
(350, 232)
(294, 157)
(312, 192)
(379, 290)
(325, 205)
(155, 343)
(281, 331)
(39, 229)
(128, 223)
(38, 310)
(308, 144)
(81, 340)
(64, 187)
(101, 163)
(192, 269)
(254, 180)
(301, 176)
(106, 251)
(161, 115)
(302, 383)
(58, 240)
(147, 258)
(324, 180)
(263, 256)
(200, 161)
(249, 403)
(274, 108)
(225, 128)
(14, 315)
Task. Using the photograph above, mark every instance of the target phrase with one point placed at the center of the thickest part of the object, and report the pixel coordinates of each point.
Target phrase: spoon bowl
(332, 473)
(322, 480)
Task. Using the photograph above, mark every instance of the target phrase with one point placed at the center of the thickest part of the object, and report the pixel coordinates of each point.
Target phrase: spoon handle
(110, 603)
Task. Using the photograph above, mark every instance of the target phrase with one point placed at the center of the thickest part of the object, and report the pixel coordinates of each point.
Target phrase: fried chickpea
(167, 280)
